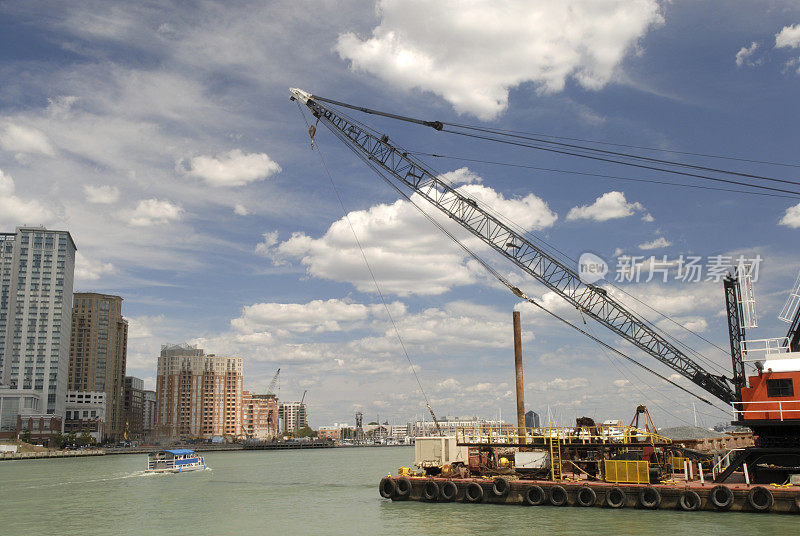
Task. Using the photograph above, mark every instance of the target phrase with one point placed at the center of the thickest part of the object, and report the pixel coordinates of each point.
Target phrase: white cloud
(742, 57)
(673, 301)
(406, 253)
(87, 269)
(316, 316)
(61, 106)
(559, 384)
(792, 217)
(25, 139)
(659, 242)
(233, 168)
(461, 176)
(240, 210)
(621, 383)
(17, 211)
(609, 206)
(154, 211)
(473, 53)
(103, 194)
(788, 37)
(264, 247)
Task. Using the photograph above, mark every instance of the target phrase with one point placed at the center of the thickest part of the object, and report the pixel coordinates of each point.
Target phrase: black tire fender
(448, 491)
(403, 488)
(473, 493)
(689, 501)
(761, 499)
(500, 487)
(586, 496)
(430, 490)
(387, 487)
(721, 497)
(557, 495)
(615, 497)
(650, 498)
(534, 496)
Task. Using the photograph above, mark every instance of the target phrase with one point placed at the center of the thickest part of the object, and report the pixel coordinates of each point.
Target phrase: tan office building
(98, 351)
(197, 395)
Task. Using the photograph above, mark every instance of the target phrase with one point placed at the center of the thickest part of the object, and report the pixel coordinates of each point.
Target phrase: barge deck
(686, 496)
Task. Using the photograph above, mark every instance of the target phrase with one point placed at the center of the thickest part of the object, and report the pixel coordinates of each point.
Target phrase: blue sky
(162, 137)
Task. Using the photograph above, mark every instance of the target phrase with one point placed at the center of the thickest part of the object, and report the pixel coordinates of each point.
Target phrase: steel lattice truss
(591, 300)
(735, 330)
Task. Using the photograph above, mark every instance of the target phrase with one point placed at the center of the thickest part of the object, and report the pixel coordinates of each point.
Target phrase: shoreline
(114, 451)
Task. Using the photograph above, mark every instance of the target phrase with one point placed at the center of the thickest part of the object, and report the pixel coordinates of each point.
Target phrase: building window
(780, 387)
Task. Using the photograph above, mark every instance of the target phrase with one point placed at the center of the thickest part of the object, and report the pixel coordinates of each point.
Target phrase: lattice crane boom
(589, 299)
(273, 383)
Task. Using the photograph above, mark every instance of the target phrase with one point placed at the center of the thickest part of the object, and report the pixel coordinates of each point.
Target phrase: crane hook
(312, 131)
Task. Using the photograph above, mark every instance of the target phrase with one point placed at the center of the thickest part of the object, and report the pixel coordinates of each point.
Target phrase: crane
(591, 300)
(791, 315)
(272, 424)
(776, 417)
(273, 383)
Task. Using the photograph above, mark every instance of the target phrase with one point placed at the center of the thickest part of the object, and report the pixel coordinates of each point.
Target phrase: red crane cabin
(773, 394)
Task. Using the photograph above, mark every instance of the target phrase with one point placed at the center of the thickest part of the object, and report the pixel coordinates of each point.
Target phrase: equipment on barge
(767, 402)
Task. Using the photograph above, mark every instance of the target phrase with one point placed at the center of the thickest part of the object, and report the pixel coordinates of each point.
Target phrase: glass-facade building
(36, 274)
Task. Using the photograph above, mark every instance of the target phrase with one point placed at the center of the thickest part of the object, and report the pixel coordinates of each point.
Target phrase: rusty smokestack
(520, 384)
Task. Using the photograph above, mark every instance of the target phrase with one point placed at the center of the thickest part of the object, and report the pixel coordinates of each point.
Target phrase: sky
(162, 137)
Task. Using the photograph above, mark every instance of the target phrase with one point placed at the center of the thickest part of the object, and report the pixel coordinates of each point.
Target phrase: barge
(684, 496)
(607, 465)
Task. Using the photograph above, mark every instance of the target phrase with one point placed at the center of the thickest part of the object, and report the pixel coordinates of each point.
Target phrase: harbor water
(329, 491)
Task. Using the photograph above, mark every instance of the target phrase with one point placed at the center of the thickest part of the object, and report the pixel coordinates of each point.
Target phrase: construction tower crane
(591, 300)
(273, 383)
(766, 403)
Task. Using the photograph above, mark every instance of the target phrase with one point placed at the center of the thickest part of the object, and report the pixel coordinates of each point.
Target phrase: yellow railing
(627, 471)
(543, 436)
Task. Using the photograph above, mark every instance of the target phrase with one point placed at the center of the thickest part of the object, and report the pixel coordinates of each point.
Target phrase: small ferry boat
(174, 461)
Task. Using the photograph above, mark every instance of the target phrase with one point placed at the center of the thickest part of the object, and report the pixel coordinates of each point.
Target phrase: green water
(332, 491)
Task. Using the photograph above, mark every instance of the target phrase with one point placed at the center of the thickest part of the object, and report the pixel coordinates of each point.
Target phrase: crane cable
(516, 291)
(628, 155)
(633, 164)
(535, 238)
(312, 131)
(440, 126)
(602, 176)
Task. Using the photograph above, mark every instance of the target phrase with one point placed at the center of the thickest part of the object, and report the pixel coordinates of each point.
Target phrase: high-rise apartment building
(98, 353)
(133, 407)
(259, 416)
(292, 416)
(149, 413)
(36, 272)
(197, 395)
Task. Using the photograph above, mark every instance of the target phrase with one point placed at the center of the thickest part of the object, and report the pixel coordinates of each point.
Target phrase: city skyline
(163, 140)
